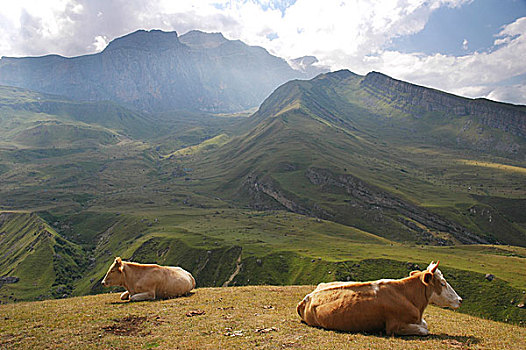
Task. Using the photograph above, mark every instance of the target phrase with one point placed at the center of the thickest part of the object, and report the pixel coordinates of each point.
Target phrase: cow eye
(443, 283)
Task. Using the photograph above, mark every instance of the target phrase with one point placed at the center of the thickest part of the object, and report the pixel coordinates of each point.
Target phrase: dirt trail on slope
(236, 271)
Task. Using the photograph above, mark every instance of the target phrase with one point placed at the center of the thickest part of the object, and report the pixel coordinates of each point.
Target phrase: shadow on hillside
(125, 302)
(452, 340)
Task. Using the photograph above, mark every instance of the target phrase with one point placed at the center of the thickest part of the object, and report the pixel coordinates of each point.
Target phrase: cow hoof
(424, 331)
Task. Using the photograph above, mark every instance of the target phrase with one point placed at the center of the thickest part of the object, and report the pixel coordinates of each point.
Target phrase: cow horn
(434, 267)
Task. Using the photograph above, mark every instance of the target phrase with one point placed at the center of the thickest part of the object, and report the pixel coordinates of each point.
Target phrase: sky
(472, 48)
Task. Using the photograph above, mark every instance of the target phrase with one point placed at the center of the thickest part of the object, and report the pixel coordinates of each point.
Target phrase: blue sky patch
(281, 5)
(463, 30)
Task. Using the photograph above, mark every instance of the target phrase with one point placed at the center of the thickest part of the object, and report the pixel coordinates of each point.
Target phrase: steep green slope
(316, 147)
(54, 150)
(25, 116)
(235, 247)
(42, 264)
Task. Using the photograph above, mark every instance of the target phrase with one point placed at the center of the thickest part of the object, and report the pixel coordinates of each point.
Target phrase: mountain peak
(339, 75)
(145, 40)
(304, 61)
(308, 65)
(379, 74)
(160, 71)
(199, 39)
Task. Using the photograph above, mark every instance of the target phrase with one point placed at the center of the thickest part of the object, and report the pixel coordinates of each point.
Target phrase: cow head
(114, 276)
(443, 294)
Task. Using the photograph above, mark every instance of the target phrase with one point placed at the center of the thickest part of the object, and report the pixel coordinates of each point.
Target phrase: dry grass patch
(223, 318)
(499, 166)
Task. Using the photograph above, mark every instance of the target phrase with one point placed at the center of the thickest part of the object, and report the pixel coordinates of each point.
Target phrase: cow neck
(420, 292)
(125, 273)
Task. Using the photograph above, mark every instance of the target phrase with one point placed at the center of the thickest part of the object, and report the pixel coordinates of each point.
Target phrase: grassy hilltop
(223, 318)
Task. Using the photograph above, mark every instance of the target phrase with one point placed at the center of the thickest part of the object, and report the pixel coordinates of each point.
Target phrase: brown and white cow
(395, 306)
(148, 281)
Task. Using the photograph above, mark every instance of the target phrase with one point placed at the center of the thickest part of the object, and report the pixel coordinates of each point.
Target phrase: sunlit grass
(499, 166)
(207, 144)
(234, 318)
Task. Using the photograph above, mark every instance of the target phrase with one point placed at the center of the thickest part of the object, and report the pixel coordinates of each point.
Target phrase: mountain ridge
(155, 71)
(326, 126)
(145, 40)
(429, 100)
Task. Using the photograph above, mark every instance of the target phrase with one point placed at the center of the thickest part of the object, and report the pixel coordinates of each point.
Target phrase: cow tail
(302, 305)
(193, 281)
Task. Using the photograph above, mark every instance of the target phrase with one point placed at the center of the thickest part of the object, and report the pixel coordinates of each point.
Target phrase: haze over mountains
(160, 71)
(327, 176)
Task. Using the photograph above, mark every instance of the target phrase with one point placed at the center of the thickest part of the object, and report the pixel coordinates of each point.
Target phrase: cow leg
(125, 295)
(143, 296)
(395, 326)
(413, 329)
(423, 323)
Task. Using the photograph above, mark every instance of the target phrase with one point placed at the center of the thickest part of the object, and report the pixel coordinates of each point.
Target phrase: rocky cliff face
(417, 100)
(426, 226)
(159, 71)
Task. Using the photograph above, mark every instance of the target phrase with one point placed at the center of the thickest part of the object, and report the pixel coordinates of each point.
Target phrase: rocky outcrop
(8, 280)
(418, 220)
(417, 100)
(266, 194)
(424, 225)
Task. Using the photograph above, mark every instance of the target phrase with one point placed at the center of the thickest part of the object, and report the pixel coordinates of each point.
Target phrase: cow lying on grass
(148, 281)
(395, 306)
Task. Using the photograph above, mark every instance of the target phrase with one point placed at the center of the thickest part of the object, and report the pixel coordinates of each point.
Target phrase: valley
(341, 177)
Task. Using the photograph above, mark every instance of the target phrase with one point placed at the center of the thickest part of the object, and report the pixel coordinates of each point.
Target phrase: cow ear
(427, 277)
(118, 261)
(413, 272)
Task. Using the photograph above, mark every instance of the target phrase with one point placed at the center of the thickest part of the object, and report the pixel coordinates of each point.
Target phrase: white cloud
(465, 44)
(474, 75)
(100, 43)
(349, 34)
(37, 27)
(511, 93)
(305, 27)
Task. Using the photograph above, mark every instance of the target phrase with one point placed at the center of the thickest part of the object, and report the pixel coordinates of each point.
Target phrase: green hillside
(339, 178)
(234, 247)
(314, 147)
(45, 263)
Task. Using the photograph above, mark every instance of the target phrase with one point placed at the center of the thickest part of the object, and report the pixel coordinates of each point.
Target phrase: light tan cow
(148, 281)
(393, 306)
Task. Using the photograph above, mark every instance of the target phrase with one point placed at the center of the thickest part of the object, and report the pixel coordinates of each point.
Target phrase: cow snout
(459, 302)
(103, 283)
